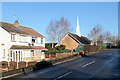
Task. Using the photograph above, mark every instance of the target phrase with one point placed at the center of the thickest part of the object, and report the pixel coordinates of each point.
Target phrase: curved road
(102, 65)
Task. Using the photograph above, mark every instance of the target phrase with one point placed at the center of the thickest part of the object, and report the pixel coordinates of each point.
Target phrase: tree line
(97, 34)
(57, 29)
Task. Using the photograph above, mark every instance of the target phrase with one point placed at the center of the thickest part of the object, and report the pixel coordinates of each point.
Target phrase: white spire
(78, 28)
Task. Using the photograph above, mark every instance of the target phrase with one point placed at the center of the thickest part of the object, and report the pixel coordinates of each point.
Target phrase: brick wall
(69, 42)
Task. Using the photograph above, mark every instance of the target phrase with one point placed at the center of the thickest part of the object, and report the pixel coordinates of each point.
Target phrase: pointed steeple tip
(78, 27)
(77, 21)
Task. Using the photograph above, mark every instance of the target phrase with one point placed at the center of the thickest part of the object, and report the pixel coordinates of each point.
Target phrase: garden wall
(7, 66)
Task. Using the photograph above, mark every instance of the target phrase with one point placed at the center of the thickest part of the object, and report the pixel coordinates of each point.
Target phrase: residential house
(18, 43)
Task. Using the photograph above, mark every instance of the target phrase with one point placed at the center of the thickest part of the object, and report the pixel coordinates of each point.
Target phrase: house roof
(27, 47)
(78, 39)
(11, 28)
(30, 31)
(21, 30)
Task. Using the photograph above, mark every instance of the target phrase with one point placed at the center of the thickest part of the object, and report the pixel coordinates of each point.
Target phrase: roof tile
(21, 30)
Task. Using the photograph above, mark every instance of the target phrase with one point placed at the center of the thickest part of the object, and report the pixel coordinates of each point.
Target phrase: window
(3, 53)
(11, 56)
(32, 52)
(16, 56)
(37, 41)
(41, 40)
(12, 37)
(33, 39)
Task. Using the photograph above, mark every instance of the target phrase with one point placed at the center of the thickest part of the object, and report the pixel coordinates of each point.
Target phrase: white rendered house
(18, 43)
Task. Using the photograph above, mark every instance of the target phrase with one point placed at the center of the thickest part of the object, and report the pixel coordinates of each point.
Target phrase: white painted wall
(4, 39)
(26, 53)
(29, 40)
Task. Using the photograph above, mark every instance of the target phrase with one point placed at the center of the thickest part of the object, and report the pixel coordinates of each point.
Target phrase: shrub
(102, 47)
(61, 47)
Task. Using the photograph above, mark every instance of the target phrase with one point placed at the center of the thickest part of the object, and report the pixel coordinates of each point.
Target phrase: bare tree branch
(58, 29)
(95, 34)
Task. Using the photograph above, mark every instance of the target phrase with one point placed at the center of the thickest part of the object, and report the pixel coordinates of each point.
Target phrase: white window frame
(42, 41)
(33, 53)
(12, 37)
(4, 54)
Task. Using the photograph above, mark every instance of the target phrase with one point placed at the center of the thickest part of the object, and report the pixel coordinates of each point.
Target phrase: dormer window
(12, 37)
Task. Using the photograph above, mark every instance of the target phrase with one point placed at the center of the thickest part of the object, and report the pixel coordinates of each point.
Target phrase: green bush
(48, 46)
(58, 48)
(61, 47)
(102, 47)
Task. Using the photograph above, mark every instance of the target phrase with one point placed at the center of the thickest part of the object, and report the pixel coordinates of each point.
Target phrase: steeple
(78, 28)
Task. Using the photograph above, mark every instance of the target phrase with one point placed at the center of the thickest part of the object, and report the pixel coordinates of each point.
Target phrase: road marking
(88, 64)
(63, 75)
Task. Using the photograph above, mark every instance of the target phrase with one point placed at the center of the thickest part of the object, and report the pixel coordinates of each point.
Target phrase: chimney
(16, 23)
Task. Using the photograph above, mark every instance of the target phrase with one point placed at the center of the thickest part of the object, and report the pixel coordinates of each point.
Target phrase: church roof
(78, 39)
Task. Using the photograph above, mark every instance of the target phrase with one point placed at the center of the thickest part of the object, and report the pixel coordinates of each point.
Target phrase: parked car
(82, 53)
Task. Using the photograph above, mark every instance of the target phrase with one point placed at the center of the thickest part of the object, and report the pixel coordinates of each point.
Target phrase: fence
(7, 66)
(30, 68)
(59, 55)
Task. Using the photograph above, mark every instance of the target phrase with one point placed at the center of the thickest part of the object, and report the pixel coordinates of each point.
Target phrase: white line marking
(88, 64)
(64, 75)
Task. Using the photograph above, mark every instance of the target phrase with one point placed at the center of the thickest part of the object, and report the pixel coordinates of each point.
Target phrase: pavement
(103, 65)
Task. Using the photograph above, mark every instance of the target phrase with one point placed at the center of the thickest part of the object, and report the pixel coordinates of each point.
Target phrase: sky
(37, 15)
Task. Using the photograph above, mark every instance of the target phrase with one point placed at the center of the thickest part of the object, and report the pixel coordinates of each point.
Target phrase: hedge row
(90, 48)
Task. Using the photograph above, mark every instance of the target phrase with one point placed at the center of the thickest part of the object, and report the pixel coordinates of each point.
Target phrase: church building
(71, 41)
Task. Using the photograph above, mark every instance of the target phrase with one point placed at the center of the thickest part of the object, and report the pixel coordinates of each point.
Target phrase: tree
(108, 37)
(95, 34)
(100, 37)
(62, 28)
(57, 30)
(115, 40)
(51, 32)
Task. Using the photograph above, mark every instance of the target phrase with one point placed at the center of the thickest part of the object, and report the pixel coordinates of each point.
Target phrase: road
(102, 65)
